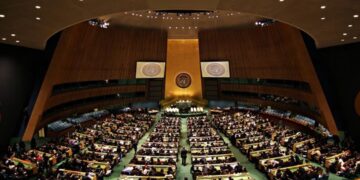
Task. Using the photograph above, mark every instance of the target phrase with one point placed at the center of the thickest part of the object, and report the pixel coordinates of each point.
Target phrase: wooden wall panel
(253, 52)
(87, 53)
(273, 52)
(86, 93)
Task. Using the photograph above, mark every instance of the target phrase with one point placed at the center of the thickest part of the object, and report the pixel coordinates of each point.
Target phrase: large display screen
(150, 70)
(215, 69)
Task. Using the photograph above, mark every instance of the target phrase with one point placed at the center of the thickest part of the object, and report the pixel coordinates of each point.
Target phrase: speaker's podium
(183, 107)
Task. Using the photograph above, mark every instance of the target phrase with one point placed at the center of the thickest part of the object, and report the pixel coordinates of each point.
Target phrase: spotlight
(264, 22)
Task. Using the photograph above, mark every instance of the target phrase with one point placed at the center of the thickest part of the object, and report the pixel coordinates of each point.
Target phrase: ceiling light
(342, 40)
(323, 18)
(13, 35)
(355, 37)
(322, 7)
(37, 7)
(2, 15)
(99, 22)
(344, 34)
(38, 18)
(355, 15)
(350, 25)
(281, 0)
(17, 41)
(4, 39)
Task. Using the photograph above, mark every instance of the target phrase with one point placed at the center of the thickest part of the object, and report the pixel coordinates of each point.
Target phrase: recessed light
(350, 25)
(17, 41)
(355, 37)
(342, 40)
(38, 18)
(344, 34)
(2, 15)
(281, 0)
(322, 7)
(4, 39)
(323, 18)
(355, 15)
(13, 35)
(37, 7)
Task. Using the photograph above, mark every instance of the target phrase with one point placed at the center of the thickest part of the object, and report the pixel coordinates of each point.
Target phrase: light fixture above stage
(100, 23)
(264, 22)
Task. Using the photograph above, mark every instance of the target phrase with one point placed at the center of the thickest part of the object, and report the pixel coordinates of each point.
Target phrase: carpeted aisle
(183, 172)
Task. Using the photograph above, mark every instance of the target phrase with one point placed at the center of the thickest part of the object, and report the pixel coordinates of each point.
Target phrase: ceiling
(182, 24)
(31, 23)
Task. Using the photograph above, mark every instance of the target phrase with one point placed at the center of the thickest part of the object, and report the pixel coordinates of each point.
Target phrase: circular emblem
(215, 69)
(151, 69)
(183, 80)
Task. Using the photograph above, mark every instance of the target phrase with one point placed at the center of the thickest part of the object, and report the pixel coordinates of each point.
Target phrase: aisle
(126, 160)
(184, 171)
(243, 160)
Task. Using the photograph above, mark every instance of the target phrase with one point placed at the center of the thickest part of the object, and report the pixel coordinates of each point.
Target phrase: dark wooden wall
(273, 52)
(339, 72)
(87, 53)
(254, 52)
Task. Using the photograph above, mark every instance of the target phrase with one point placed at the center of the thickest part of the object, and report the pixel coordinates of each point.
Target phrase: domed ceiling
(31, 23)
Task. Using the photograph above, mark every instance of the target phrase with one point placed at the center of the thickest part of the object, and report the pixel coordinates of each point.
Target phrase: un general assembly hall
(179, 89)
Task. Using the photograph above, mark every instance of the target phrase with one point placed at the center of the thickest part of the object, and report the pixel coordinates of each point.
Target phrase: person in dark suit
(183, 156)
(135, 146)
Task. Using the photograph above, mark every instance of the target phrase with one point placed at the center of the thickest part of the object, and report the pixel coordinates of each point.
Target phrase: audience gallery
(278, 150)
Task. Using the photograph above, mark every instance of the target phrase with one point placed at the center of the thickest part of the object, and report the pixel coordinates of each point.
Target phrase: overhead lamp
(355, 37)
(344, 34)
(4, 39)
(323, 18)
(99, 22)
(37, 7)
(17, 41)
(38, 18)
(13, 35)
(355, 15)
(350, 25)
(342, 40)
(323, 7)
(264, 22)
(2, 15)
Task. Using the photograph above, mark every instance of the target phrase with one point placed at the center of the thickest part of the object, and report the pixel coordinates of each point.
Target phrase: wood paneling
(86, 93)
(254, 52)
(273, 52)
(87, 53)
(288, 92)
(183, 57)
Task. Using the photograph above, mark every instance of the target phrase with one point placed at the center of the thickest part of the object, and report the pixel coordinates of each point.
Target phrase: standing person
(183, 156)
(135, 146)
